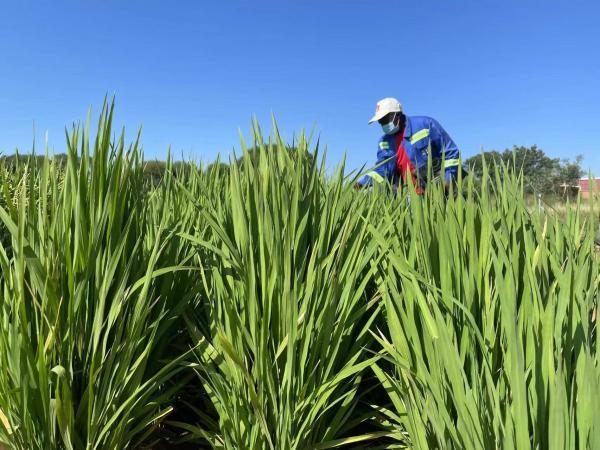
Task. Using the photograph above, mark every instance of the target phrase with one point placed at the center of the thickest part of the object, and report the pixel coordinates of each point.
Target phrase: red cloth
(403, 163)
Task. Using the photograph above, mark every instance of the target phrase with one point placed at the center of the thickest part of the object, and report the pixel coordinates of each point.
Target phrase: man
(406, 146)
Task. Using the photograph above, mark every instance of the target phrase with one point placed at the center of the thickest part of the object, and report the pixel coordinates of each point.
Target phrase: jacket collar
(408, 128)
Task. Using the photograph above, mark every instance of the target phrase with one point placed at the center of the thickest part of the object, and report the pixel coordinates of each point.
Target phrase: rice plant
(491, 327)
(86, 308)
(267, 304)
(290, 303)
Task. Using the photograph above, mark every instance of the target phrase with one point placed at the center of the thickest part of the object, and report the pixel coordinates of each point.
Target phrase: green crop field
(268, 304)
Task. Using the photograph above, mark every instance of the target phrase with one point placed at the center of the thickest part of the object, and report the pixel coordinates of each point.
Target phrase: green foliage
(291, 302)
(541, 174)
(17, 161)
(295, 151)
(263, 304)
(491, 331)
(85, 310)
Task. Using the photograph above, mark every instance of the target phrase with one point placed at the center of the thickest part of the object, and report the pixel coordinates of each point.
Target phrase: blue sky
(495, 74)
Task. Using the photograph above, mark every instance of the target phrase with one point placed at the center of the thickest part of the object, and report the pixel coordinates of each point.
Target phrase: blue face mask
(391, 127)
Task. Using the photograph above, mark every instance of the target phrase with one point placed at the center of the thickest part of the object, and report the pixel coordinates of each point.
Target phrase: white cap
(386, 106)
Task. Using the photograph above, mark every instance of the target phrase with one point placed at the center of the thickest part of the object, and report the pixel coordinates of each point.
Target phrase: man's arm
(386, 166)
(448, 149)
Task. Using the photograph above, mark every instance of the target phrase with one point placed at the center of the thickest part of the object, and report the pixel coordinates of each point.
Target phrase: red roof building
(586, 185)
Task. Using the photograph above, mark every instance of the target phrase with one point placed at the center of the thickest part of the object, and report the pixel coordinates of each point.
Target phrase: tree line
(542, 174)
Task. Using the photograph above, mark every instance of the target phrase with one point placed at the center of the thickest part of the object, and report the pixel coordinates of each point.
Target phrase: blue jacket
(420, 133)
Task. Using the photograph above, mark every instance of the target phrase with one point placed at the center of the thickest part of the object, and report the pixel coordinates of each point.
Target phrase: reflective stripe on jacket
(420, 134)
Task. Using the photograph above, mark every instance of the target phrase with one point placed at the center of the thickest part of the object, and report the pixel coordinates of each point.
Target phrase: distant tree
(475, 163)
(217, 167)
(542, 174)
(10, 162)
(571, 171)
(254, 152)
(155, 167)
